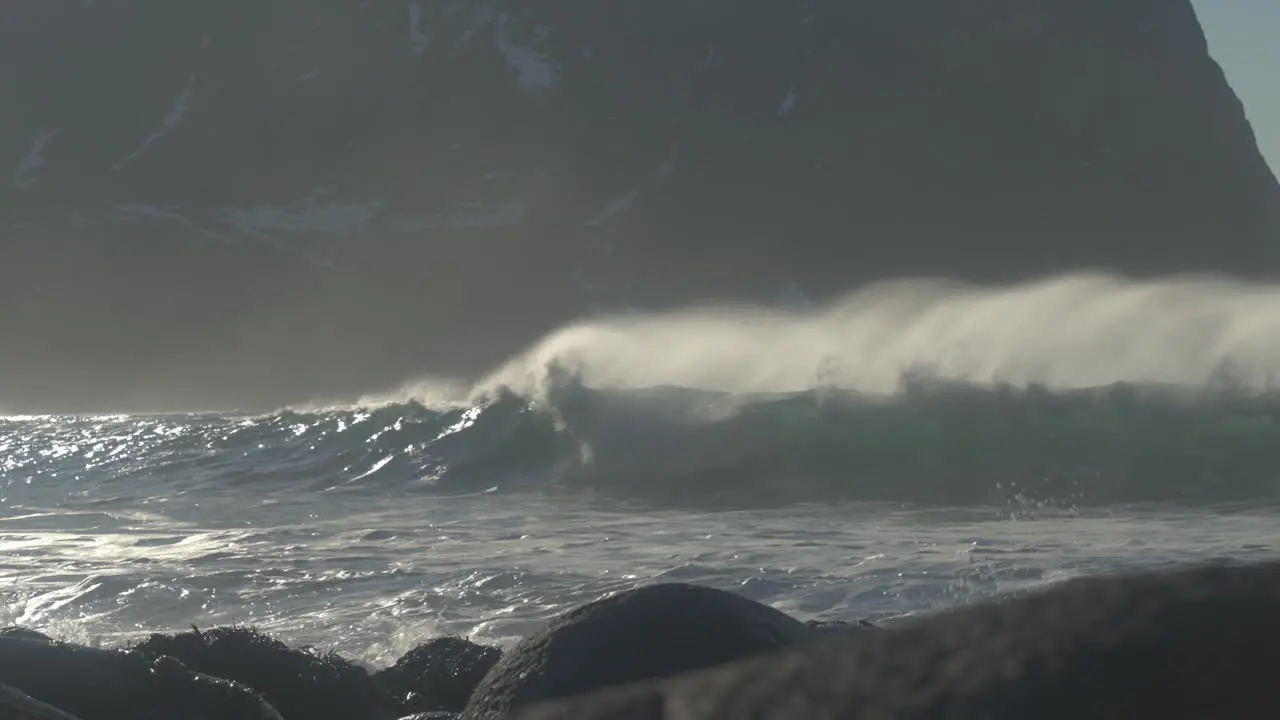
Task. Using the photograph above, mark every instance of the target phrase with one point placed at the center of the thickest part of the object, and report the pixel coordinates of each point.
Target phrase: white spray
(1068, 331)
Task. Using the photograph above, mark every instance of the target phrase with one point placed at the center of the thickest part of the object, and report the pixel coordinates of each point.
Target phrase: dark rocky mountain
(232, 203)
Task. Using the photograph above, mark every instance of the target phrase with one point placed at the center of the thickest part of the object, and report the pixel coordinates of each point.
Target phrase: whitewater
(914, 446)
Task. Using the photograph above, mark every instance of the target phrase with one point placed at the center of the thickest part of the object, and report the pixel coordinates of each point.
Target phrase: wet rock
(17, 705)
(644, 633)
(435, 715)
(21, 633)
(303, 684)
(826, 625)
(96, 684)
(1192, 644)
(438, 675)
(197, 696)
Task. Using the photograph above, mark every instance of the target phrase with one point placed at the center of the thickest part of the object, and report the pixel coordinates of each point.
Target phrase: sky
(1244, 37)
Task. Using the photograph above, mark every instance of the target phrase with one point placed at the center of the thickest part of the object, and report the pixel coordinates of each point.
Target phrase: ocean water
(911, 448)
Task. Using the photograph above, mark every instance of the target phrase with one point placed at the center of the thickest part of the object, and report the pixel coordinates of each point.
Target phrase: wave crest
(935, 442)
(1065, 332)
(1079, 389)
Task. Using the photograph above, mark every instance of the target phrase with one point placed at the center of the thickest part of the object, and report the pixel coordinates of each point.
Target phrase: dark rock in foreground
(301, 683)
(438, 675)
(485, 170)
(649, 632)
(1194, 644)
(98, 684)
(17, 705)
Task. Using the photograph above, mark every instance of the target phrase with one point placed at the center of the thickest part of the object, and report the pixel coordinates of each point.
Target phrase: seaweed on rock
(301, 683)
(440, 674)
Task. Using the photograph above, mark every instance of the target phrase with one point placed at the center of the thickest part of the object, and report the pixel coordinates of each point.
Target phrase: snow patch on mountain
(418, 37)
(306, 216)
(168, 124)
(26, 174)
(537, 73)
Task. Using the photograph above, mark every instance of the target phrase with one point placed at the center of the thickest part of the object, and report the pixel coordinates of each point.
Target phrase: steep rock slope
(246, 203)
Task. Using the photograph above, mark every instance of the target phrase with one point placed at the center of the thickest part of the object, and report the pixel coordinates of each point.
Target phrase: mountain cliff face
(241, 203)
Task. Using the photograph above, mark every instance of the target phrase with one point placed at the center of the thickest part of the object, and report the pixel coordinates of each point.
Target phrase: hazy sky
(1244, 37)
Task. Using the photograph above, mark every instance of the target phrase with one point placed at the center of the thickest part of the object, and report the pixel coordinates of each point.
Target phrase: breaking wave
(934, 443)
(1083, 389)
